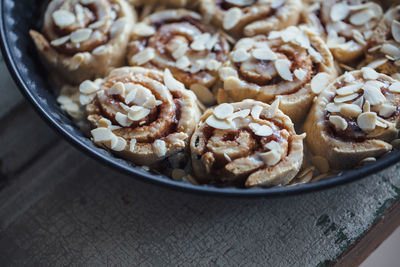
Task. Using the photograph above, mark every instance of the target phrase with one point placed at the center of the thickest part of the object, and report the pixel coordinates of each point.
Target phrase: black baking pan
(17, 17)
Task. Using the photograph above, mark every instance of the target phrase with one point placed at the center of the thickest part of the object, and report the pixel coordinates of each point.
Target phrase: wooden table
(59, 207)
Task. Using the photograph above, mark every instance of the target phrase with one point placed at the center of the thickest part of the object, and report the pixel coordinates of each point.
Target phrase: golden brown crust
(150, 120)
(346, 132)
(254, 145)
(249, 75)
(81, 41)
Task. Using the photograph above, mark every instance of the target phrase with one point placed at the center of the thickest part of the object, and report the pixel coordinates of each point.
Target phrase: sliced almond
(232, 18)
(63, 18)
(203, 94)
(342, 99)
(373, 95)
(333, 107)
(241, 2)
(382, 123)
(137, 113)
(144, 56)
(349, 89)
(160, 148)
(377, 63)
(339, 11)
(367, 121)
(300, 74)
(132, 145)
(391, 50)
(200, 42)
(123, 120)
(282, 66)
(338, 122)
(143, 30)
(395, 87)
(60, 41)
(81, 35)
(240, 55)
(264, 53)
(273, 109)
(88, 87)
(271, 158)
(369, 73)
(118, 144)
(239, 114)
(171, 83)
(117, 89)
(256, 112)
(350, 110)
(396, 30)
(366, 107)
(219, 124)
(361, 17)
(387, 110)
(319, 82)
(102, 134)
(223, 111)
(213, 65)
(261, 130)
(183, 63)
(232, 83)
(226, 72)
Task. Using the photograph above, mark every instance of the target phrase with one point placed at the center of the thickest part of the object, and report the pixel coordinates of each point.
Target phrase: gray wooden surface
(58, 207)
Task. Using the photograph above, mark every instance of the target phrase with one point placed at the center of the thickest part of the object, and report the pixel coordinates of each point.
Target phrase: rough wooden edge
(372, 238)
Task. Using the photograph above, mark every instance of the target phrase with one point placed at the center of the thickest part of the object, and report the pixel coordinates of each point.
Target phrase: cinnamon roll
(293, 65)
(142, 115)
(82, 39)
(248, 143)
(251, 17)
(178, 40)
(383, 50)
(348, 24)
(355, 118)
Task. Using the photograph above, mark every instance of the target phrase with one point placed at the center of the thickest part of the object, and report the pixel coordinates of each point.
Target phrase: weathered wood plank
(96, 216)
(9, 94)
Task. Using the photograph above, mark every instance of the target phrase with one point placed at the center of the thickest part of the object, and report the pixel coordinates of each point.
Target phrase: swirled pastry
(356, 117)
(83, 39)
(178, 40)
(142, 115)
(383, 50)
(293, 65)
(248, 143)
(348, 25)
(252, 17)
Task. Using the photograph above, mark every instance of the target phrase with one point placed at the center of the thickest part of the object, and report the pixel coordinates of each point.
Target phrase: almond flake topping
(367, 121)
(387, 110)
(63, 18)
(203, 94)
(300, 74)
(261, 130)
(396, 30)
(88, 87)
(256, 112)
(271, 158)
(366, 107)
(144, 30)
(223, 111)
(282, 66)
(342, 99)
(373, 94)
(102, 134)
(240, 55)
(81, 35)
(264, 53)
(241, 2)
(200, 42)
(333, 107)
(60, 41)
(171, 83)
(144, 56)
(117, 89)
(118, 144)
(377, 63)
(183, 63)
(319, 82)
(395, 87)
(361, 17)
(339, 11)
(369, 73)
(273, 109)
(339, 123)
(350, 110)
(137, 113)
(232, 18)
(239, 114)
(123, 120)
(349, 89)
(160, 148)
(391, 50)
(219, 124)
(226, 72)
